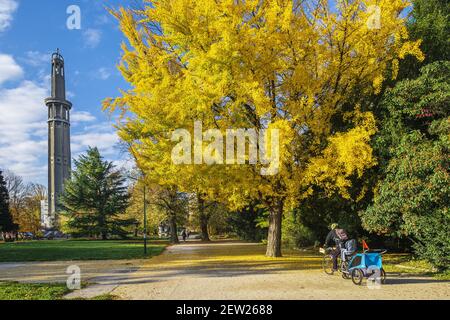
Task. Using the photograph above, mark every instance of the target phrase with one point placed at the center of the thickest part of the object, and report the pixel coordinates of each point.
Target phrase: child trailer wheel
(357, 276)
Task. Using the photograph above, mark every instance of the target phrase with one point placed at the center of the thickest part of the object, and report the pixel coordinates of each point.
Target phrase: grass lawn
(40, 291)
(54, 250)
(406, 263)
(31, 291)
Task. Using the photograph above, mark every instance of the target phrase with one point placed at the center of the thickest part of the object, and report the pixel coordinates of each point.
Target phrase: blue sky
(30, 31)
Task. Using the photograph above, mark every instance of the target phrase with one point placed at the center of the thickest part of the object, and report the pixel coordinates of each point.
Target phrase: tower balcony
(52, 100)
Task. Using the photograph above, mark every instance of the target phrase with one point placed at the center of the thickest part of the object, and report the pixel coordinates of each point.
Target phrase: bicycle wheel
(327, 264)
(357, 276)
(344, 270)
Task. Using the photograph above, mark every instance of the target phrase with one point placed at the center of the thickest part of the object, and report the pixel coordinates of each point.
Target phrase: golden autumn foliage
(290, 65)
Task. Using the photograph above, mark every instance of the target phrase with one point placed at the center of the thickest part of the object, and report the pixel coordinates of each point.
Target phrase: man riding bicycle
(336, 237)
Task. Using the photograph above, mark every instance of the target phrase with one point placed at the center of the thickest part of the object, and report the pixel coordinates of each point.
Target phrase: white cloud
(70, 94)
(103, 74)
(7, 9)
(36, 58)
(92, 37)
(23, 111)
(101, 135)
(81, 116)
(9, 69)
(125, 164)
(106, 142)
(23, 130)
(102, 20)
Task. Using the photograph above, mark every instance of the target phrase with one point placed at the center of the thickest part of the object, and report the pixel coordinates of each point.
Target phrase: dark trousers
(335, 254)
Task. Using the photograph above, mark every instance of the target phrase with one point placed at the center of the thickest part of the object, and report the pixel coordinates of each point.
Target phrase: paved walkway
(223, 270)
(236, 270)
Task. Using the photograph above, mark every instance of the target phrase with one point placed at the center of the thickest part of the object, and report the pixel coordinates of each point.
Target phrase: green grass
(106, 296)
(40, 291)
(32, 291)
(55, 250)
(408, 264)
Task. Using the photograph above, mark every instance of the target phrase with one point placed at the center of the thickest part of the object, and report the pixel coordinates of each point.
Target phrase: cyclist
(336, 237)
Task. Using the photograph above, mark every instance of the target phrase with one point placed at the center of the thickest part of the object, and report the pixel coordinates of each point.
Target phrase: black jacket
(332, 239)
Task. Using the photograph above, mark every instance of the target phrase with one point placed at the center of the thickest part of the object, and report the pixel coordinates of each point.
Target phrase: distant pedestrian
(183, 234)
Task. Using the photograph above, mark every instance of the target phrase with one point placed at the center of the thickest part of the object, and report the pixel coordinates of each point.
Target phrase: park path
(221, 270)
(56, 271)
(236, 270)
(97, 273)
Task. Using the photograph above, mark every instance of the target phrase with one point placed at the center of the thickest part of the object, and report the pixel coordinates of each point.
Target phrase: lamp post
(145, 222)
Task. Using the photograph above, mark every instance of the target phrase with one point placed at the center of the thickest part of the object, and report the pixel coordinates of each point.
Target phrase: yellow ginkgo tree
(300, 67)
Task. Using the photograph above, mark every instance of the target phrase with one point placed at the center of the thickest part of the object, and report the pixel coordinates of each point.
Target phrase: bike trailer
(366, 260)
(365, 265)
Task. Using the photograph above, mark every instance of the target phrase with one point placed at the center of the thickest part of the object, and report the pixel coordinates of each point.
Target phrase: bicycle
(343, 261)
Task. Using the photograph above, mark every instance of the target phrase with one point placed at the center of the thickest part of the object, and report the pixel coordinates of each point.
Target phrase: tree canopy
(295, 66)
(413, 196)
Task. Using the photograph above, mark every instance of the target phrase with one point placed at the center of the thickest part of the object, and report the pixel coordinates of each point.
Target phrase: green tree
(6, 220)
(246, 222)
(95, 198)
(218, 219)
(315, 215)
(412, 199)
(430, 22)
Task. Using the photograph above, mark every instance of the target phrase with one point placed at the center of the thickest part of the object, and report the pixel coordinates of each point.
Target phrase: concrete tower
(59, 157)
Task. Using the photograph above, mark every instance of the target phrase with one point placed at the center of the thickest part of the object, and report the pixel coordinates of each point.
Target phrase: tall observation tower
(58, 138)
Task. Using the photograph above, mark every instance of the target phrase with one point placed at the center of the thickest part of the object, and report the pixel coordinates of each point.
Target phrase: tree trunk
(274, 236)
(204, 228)
(203, 219)
(102, 225)
(173, 229)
